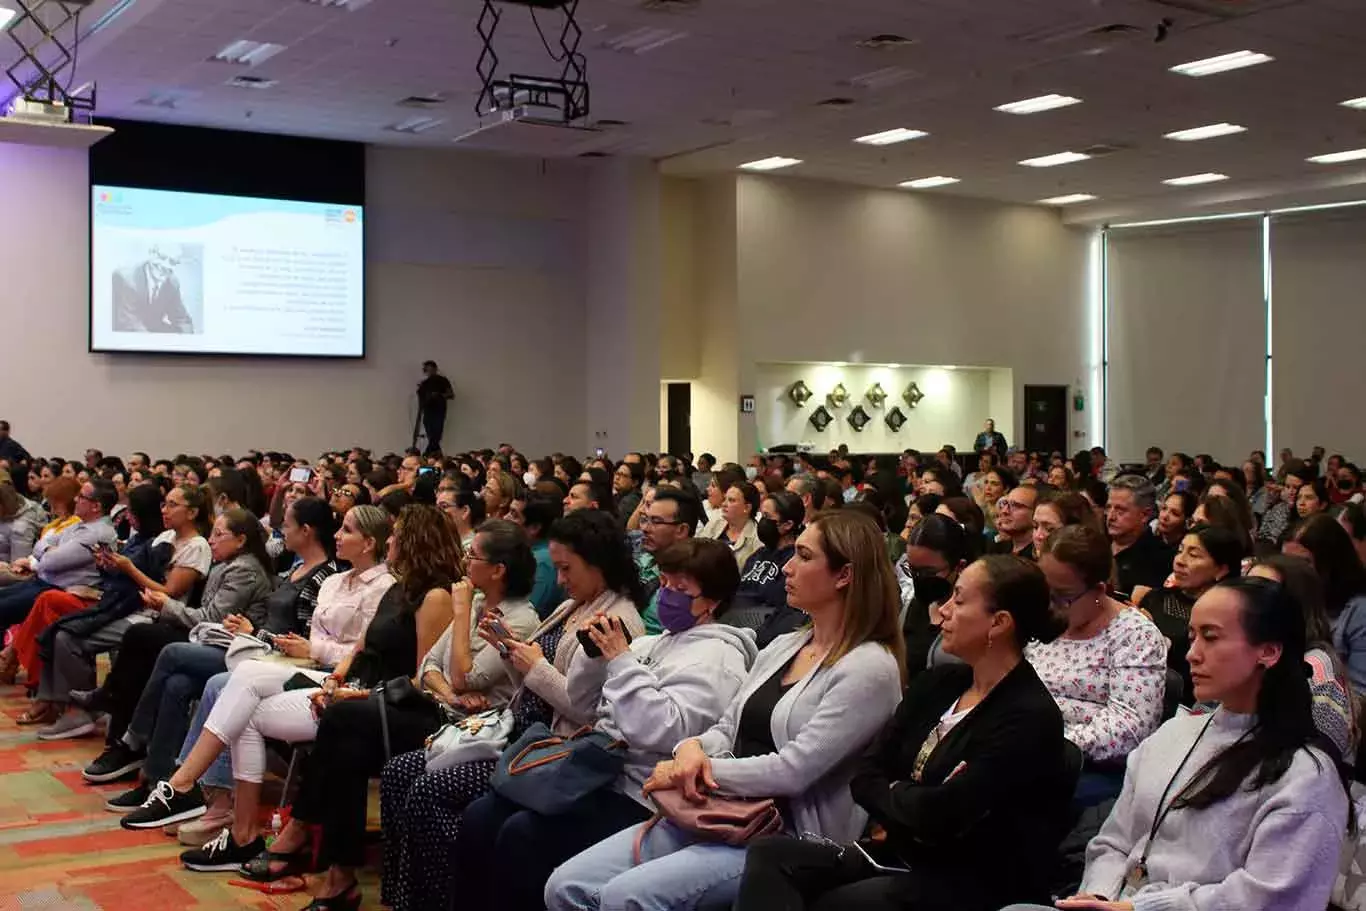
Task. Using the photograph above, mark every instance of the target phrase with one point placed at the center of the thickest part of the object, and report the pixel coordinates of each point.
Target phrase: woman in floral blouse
(1107, 671)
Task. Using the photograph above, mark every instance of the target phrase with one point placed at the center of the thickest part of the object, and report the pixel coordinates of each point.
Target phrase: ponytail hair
(1285, 721)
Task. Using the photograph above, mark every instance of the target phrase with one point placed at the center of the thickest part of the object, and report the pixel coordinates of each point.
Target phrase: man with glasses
(671, 516)
(64, 559)
(1015, 522)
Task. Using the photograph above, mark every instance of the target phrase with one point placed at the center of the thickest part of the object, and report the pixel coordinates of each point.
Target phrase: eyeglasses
(1005, 504)
(652, 520)
(348, 492)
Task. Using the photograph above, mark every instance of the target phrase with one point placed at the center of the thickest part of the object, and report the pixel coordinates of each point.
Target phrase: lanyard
(1138, 874)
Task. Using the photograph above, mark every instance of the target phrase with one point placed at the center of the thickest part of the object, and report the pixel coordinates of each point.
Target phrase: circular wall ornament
(820, 418)
(858, 418)
(895, 419)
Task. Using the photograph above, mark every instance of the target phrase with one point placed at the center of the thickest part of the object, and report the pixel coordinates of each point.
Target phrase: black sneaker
(222, 855)
(117, 761)
(164, 806)
(129, 800)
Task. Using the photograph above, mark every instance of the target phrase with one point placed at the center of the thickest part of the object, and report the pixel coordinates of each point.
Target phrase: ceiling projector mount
(563, 98)
(46, 67)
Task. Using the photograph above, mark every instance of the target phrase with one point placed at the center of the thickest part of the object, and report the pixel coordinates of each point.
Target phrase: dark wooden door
(680, 418)
(1045, 419)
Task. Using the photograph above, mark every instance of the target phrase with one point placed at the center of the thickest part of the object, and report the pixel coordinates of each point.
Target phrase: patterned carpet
(59, 848)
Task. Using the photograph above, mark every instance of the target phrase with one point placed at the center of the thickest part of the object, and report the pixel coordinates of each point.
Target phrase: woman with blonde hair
(812, 703)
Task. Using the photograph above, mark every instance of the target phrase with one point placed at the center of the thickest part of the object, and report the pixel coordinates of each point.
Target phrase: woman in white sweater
(812, 703)
(1237, 808)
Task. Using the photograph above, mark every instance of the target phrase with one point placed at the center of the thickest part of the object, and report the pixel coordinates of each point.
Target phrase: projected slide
(200, 274)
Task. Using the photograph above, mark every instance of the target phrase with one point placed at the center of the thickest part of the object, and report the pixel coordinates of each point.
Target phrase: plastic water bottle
(277, 823)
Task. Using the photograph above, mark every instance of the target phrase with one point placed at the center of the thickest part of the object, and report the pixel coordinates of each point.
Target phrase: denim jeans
(676, 871)
(17, 600)
(219, 774)
(162, 715)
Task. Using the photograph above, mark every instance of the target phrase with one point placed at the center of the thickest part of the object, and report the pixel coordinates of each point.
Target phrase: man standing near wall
(432, 394)
(10, 450)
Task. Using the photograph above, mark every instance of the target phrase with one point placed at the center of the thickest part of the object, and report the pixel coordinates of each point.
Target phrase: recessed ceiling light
(350, 5)
(1222, 64)
(248, 53)
(1066, 200)
(418, 124)
(770, 164)
(889, 137)
(926, 183)
(6, 15)
(1191, 180)
(1209, 131)
(1049, 161)
(1357, 103)
(1339, 157)
(1035, 105)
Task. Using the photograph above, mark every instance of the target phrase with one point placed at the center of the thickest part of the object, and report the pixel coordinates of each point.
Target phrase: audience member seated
(715, 491)
(1207, 555)
(995, 484)
(937, 551)
(736, 525)
(1353, 519)
(763, 588)
(21, 520)
(266, 699)
(1061, 509)
(1335, 708)
(671, 516)
(238, 583)
(347, 601)
(1240, 807)
(1107, 670)
(1015, 522)
(539, 513)
(1281, 514)
(65, 559)
(811, 704)
(1312, 499)
(973, 766)
(1328, 548)
(60, 503)
(627, 481)
(499, 491)
(23, 650)
(1176, 517)
(161, 718)
(355, 734)
(1140, 557)
(421, 812)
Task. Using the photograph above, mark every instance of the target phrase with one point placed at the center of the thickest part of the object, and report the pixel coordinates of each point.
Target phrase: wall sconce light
(799, 393)
(912, 395)
(838, 397)
(877, 395)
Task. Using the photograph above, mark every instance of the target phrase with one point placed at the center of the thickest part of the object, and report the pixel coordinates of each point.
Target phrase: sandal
(296, 863)
(44, 713)
(346, 901)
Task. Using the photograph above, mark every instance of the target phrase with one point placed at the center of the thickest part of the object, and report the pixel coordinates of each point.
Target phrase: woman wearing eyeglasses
(1107, 671)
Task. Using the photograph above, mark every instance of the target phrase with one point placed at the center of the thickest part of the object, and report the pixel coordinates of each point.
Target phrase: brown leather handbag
(728, 820)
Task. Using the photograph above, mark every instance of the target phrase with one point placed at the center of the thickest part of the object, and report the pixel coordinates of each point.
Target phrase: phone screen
(881, 857)
(599, 451)
(300, 475)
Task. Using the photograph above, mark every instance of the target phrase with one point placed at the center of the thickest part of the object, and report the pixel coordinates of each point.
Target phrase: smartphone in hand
(590, 647)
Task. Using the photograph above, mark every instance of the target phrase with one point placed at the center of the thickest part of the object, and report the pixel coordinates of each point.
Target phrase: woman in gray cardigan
(811, 704)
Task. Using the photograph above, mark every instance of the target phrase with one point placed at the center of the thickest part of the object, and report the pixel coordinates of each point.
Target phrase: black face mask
(768, 532)
(931, 589)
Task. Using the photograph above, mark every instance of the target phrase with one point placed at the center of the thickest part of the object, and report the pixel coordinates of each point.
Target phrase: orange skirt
(49, 606)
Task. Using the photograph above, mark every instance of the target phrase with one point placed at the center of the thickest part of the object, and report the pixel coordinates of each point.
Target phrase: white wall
(473, 260)
(947, 414)
(885, 276)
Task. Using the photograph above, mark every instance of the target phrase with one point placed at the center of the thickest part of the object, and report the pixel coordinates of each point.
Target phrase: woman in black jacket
(973, 766)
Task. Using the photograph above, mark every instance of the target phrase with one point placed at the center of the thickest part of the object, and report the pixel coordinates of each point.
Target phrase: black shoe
(117, 761)
(222, 855)
(165, 805)
(93, 701)
(347, 901)
(129, 800)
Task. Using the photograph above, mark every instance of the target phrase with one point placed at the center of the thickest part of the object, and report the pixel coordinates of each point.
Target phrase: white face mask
(529, 479)
(751, 472)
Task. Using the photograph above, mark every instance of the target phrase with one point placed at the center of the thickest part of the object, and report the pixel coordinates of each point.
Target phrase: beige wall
(472, 260)
(804, 271)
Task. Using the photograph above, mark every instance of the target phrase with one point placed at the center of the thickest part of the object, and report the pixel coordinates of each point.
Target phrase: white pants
(254, 706)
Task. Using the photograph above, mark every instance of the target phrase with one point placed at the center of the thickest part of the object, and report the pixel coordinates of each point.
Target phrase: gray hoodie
(666, 689)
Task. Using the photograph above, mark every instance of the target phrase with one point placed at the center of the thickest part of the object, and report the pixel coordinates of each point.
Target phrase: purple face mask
(675, 610)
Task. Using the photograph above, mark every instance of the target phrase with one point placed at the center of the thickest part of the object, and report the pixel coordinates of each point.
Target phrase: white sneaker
(198, 832)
